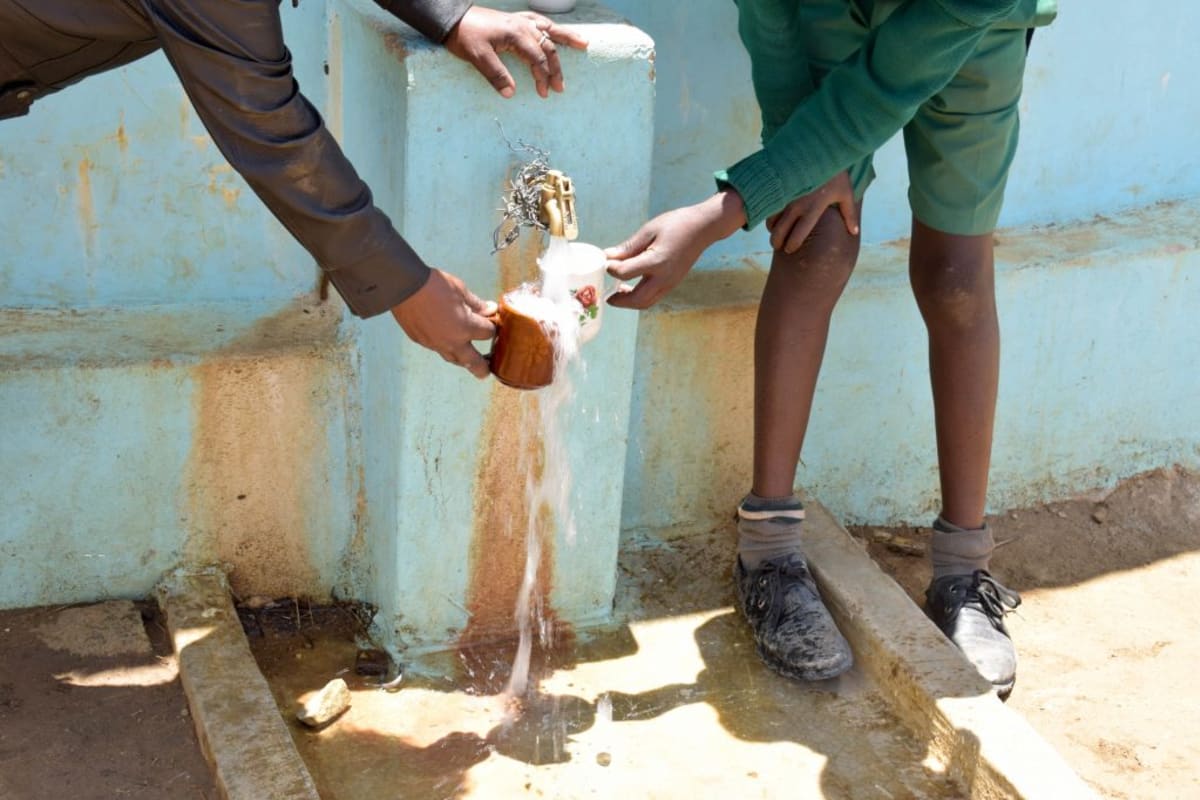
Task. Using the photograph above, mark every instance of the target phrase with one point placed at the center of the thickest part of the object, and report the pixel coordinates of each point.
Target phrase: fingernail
(507, 91)
(490, 307)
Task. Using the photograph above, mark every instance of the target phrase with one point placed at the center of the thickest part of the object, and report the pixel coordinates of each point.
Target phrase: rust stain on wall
(394, 44)
(86, 205)
(713, 417)
(510, 450)
(254, 452)
(185, 116)
(221, 181)
(121, 137)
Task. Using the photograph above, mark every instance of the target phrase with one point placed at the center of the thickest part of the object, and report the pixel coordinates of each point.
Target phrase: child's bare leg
(789, 343)
(952, 279)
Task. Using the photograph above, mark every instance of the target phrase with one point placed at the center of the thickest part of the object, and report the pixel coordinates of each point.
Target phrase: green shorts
(962, 140)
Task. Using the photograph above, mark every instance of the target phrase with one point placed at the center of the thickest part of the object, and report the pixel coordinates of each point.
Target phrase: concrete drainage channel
(913, 719)
(241, 733)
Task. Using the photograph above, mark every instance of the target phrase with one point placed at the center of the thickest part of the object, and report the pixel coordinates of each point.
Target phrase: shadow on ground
(1146, 519)
(92, 709)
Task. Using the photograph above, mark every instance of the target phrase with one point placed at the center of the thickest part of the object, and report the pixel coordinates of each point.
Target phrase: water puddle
(666, 705)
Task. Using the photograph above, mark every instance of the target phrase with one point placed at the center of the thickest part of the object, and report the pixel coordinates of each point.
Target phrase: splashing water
(547, 469)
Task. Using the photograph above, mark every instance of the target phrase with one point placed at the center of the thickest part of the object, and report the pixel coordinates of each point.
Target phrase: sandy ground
(91, 708)
(1107, 633)
(90, 703)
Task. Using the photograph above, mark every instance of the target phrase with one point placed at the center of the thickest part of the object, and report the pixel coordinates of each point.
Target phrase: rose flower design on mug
(586, 296)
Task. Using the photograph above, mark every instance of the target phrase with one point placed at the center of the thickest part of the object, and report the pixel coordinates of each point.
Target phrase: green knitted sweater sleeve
(770, 31)
(859, 105)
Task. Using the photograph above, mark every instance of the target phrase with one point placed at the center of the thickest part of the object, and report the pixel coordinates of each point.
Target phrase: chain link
(522, 200)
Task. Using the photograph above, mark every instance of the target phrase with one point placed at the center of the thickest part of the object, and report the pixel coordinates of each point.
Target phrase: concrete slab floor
(671, 704)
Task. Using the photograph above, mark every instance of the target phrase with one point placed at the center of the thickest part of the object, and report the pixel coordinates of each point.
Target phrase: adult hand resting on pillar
(483, 34)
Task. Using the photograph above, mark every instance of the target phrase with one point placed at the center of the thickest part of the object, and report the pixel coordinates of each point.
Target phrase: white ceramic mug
(585, 276)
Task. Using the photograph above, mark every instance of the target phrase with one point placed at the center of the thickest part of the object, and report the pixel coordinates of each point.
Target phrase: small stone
(603, 759)
(326, 705)
(1061, 514)
(183, 712)
(1100, 514)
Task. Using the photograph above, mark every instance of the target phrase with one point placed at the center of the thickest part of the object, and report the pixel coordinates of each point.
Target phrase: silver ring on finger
(545, 38)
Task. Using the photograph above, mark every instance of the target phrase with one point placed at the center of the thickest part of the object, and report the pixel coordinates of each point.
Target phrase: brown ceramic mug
(523, 352)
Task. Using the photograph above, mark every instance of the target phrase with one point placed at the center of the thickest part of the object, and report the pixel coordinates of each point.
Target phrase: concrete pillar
(444, 483)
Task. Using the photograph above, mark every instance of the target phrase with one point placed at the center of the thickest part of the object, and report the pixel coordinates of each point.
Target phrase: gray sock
(958, 551)
(768, 527)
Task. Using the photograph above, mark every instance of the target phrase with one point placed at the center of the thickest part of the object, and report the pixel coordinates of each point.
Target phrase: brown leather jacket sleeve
(433, 18)
(237, 72)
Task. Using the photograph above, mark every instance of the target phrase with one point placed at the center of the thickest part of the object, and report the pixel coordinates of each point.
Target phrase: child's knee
(822, 265)
(955, 297)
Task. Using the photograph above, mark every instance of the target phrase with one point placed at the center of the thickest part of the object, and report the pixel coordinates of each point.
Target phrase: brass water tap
(558, 206)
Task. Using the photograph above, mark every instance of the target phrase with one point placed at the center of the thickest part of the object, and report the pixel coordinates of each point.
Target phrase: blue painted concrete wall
(167, 402)
(113, 194)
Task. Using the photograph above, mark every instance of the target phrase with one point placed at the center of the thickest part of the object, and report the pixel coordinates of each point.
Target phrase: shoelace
(997, 598)
(992, 597)
(769, 579)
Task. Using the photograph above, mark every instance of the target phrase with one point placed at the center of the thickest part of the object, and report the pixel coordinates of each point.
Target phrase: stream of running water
(546, 465)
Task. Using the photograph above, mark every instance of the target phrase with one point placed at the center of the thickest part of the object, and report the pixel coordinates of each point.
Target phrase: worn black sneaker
(794, 632)
(970, 610)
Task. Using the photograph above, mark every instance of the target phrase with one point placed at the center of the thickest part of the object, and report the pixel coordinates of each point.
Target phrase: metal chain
(522, 200)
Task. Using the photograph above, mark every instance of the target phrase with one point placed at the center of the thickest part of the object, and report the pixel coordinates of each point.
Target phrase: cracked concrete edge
(989, 749)
(244, 738)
